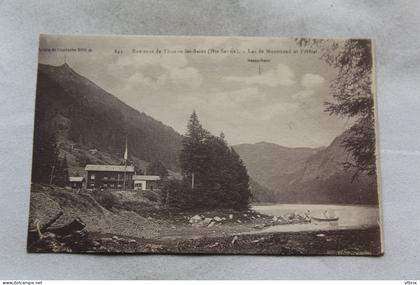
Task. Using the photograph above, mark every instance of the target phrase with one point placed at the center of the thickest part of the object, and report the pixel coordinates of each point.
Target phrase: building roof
(116, 168)
(76, 179)
(146, 177)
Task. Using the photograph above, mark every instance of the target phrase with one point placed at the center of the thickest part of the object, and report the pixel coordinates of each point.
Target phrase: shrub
(150, 195)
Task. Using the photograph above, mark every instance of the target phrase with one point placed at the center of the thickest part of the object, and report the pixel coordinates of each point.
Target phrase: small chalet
(109, 176)
(146, 182)
(76, 182)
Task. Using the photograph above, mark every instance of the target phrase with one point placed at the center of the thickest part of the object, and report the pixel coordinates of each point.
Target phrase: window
(92, 176)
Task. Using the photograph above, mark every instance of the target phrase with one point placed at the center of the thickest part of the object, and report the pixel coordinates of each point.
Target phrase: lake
(350, 216)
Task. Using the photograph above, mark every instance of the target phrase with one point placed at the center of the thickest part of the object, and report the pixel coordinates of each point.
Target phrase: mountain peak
(66, 68)
(65, 65)
(62, 67)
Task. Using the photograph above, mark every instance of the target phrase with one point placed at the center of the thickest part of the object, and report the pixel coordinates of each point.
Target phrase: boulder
(217, 219)
(195, 219)
(207, 221)
(211, 224)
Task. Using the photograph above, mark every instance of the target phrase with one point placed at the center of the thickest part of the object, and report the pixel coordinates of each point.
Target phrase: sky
(251, 89)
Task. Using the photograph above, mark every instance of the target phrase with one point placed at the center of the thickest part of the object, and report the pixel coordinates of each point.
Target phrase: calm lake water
(350, 216)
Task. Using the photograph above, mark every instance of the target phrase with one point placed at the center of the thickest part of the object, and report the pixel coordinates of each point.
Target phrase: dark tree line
(156, 167)
(353, 97)
(47, 166)
(214, 175)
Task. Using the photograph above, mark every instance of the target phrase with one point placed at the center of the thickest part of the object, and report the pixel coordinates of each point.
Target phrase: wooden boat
(324, 219)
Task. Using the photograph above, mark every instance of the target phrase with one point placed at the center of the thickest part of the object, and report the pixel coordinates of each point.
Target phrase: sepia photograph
(205, 145)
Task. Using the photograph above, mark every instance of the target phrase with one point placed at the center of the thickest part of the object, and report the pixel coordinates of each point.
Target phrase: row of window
(92, 177)
(106, 185)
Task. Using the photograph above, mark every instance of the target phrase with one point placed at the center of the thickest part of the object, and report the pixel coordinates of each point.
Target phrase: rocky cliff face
(302, 175)
(326, 162)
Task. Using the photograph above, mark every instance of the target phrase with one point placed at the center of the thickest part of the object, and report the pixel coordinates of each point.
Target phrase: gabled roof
(116, 168)
(146, 177)
(76, 179)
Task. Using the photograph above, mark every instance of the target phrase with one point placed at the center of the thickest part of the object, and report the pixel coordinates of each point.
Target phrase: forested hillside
(272, 165)
(303, 175)
(79, 111)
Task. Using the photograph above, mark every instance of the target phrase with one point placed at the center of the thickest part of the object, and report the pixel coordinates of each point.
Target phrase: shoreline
(133, 226)
(364, 242)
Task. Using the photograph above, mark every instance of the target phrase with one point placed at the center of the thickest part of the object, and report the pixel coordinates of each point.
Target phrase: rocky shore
(77, 223)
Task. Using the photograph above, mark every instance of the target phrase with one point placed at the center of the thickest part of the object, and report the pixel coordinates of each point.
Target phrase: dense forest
(214, 175)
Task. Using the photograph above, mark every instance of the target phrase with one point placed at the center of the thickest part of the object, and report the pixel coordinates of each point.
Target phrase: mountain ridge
(85, 114)
(312, 177)
(263, 161)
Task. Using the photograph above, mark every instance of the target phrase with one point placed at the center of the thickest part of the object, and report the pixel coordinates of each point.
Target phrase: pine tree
(353, 96)
(240, 182)
(214, 174)
(60, 177)
(193, 151)
(45, 156)
(226, 181)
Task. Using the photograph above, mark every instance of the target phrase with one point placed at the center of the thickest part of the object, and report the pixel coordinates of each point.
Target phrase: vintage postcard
(207, 145)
